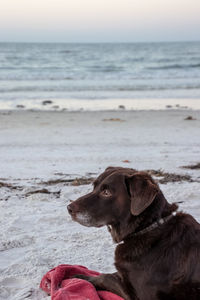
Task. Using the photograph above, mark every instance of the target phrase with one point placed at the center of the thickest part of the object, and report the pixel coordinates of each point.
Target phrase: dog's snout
(72, 208)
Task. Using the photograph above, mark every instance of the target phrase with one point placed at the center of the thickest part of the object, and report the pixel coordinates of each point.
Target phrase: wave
(32, 68)
(175, 66)
(105, 69)
(44, 78)
(96, 88)
(67, 51)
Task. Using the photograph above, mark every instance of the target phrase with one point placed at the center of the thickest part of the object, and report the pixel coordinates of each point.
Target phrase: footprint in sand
(9, 289)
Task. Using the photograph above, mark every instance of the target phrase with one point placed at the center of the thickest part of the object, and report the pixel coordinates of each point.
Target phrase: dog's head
(118, 194)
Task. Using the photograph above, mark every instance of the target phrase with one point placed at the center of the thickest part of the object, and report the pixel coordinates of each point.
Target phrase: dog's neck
(149, 221)
(153, 226)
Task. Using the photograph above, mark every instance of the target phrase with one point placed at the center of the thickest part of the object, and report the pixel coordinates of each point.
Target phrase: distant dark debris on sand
(73, 181)
(46, 102)
(192, 167)
(20, 106)
(189, 118)
(113, 120)
(43, 191)
(169, 177)
(177, 106)
(121, 107)
(10, 186)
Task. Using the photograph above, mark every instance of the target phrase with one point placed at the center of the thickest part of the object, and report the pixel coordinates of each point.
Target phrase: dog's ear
(142, 191)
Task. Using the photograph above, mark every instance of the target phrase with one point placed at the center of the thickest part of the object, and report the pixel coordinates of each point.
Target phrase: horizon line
(100, 42)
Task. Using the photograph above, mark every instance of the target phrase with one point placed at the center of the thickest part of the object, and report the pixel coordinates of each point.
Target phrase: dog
(158, 248)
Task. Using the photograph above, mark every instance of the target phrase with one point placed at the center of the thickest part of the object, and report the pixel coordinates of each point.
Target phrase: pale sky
(99, 20)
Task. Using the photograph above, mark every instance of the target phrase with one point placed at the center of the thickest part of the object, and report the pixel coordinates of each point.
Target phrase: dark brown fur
(162, 264)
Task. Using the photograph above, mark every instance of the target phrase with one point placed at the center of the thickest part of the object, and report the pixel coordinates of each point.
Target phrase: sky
(99, 20)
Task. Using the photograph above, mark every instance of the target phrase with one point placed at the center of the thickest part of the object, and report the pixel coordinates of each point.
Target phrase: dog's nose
(70, 209)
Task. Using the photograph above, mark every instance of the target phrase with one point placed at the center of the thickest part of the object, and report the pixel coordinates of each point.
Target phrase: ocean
(98, 73)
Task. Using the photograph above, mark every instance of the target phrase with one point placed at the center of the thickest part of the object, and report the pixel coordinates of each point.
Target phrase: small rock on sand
(20, 106)
(46, 102)
(189, 118)
(113, 120)
(121, 107)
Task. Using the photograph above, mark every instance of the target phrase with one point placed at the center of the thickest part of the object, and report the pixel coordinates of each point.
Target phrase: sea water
(101, 74)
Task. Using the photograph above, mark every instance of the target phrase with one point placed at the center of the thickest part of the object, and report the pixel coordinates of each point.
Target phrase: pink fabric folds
(59, 284)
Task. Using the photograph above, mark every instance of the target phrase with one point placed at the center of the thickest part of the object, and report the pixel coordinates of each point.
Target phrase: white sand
(36, 231)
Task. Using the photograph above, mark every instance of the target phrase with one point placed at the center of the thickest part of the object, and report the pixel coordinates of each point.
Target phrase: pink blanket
(59, 284)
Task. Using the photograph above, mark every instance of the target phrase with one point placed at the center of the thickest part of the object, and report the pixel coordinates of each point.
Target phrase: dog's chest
(135, 274)
(136, 280)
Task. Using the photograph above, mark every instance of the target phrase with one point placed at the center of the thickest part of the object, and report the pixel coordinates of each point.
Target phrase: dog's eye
(106, 193)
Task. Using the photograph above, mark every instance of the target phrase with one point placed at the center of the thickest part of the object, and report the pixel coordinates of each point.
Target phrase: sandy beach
(49, 158)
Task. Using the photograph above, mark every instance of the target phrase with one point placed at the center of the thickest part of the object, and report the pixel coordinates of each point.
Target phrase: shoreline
(102, 104)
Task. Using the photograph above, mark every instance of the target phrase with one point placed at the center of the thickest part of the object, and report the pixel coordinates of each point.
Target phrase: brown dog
(158, 251)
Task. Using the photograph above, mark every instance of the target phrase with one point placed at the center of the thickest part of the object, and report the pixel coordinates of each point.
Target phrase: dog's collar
(153, 226)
